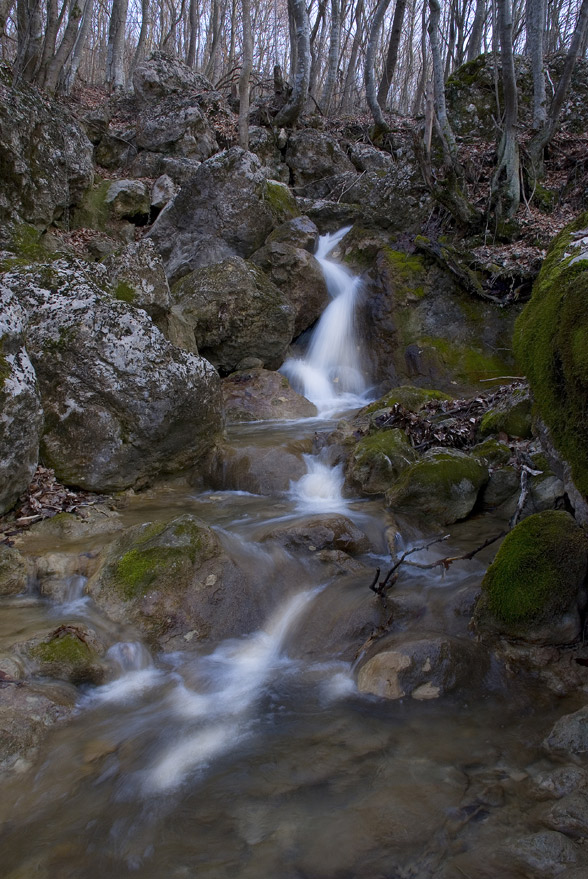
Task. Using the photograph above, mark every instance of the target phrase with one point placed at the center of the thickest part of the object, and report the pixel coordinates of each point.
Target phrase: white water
(330, 375)
(320, 489)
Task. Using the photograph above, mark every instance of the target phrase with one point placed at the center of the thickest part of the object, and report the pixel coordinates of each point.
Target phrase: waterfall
(330, 374)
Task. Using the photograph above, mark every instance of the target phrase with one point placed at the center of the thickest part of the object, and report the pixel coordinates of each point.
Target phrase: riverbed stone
(443, 486)
(72, 652)
(176, 584)
(226, 208)
(535, 589)
(27, 713)
(569, 734)
(120, 402)
(13, 571)
(546, 853)
(319, 532)
(511, 416)
(235, 312)
(253, 468)
(299, 232)
(424, 667)
(378, 460)
(259, 394)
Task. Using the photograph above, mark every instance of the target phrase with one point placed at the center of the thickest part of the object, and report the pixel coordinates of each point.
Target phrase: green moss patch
(551, 343)
(514, 420)
(67, 649)
(125, 292)
(378, 460)
(411, 398)
(538, 570)
(281, 200)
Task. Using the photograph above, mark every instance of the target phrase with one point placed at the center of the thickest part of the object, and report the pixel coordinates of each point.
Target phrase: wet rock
(569, 815)
(21, 414)
(235, 312)
(442, 486)
(70, 653)
(45, 155)
(300, 278)
(423, 668)
(129, 200)
(256, 469)
(314, 157)
(569, 734)
(511, 416)
(545, 854)
(27, 713)
(255, 394)
(300, 232)
(534, 589)
(378, 460)
(176, 584)
(321, 532)
(226, 208)
(120, 402)
(13, 571)
(560, 782)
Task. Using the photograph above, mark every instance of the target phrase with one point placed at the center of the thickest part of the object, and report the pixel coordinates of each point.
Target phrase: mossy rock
(407, 274)
(535, 588)
(378, 459)
(70, 653)
(411, 398)
(493, 452)
(281, 200)
(443, 487)
(13, 571)
(512, 417)
(551, 343)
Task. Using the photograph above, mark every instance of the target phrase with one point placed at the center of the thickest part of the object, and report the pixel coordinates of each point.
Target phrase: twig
(381, 587)
(448, 560)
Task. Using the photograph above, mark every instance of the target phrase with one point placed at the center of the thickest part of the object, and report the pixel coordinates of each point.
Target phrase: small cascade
(320, 490)
(330, 375)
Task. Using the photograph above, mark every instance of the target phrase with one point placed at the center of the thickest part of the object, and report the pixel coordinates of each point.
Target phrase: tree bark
(140, 51)
(392, 54)
(246, 69)
(346, 103)
(68, 75)
(446, 131)
(115, 73)
(60, 57)
(475, 41)
(288, 115)
(535, 15)
(506, 183)
(29, 24)
(370, 78)
(542, 139)
(333, 61)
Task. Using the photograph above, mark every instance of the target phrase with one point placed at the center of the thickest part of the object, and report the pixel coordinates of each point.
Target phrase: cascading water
(330, 375)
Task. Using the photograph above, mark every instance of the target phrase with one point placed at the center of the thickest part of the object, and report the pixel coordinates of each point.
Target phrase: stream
(257, 756)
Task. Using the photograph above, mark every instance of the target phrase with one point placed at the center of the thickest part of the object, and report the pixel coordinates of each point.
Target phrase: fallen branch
(380, 588)
(448, 560)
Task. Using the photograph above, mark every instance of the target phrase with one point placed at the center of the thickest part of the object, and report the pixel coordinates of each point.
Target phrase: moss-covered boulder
(551, 343)
(441, 488)
(511, 416)
(535, 588)
(70, 653)
(235, 313)
(176, 584)
(378, 460)
(256, 394)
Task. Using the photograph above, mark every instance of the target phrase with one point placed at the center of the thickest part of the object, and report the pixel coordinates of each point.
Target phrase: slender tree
(244, 78)
(506, 184)
(370, 76)
(333, 60)
(115, 72)
(392, 54)
(289, 114)
(535, 22)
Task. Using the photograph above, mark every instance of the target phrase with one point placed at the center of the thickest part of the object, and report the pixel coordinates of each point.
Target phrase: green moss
(26, 242)
(551, 344)
(514, 421)
(66, 649)
(94, 211)
(125, 292)
(537, 571)
(408, 397)
(281, 200)
(379, 458)
(407, 273)
(492, 451)
(468, 73)
(468, 365)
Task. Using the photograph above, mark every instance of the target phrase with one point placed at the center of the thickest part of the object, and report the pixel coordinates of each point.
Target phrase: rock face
(424, 668)
(312, 156)
(535, 589)
(120, 402)
(227, 208)
(137, 276)
(299, 277)
(550, 344)
(235, 313)
(255, 394)
(176, 584)
(58, 165)
(21, 415)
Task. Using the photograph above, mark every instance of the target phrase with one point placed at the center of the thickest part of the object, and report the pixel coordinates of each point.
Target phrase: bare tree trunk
(52, 24)
(140, 51)
(315, 45)
(115, 73)
(5, 10)
(346, 102)
(29, 23)
(294, 107)
(392, 55)
(420, 90)
(542, 139)
(448, 138)
(214, 30)
(506, 183)
(245, 75)
(333, 62)
(535, 11)
(370, 77)
(475, 41)
(60, 57)
(194, 14)
(68, 75)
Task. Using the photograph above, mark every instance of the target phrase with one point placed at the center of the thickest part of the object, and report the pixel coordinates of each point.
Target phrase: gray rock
(128, 200)
(13, 571)
(164, 190)
(137, 277)
(72, 653)
(299, 276)
(27, 713)
(121, 403)
(21, 414)
(369, 158)
(299, 232)
(161, 76)
(546, 853)
(569, 815)
(235, 312)
(321, 532)
(226, 208)
(45, 156)
(314, 158)
(262, 142)
(260, 470)
(569, 734)
(255, 394)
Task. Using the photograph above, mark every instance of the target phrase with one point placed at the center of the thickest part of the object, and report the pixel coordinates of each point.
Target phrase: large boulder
(534, 590)
(226, 208)
(378, 460)
(314, 157)
(21, 414)
(256, 394)
(137, 276)
(235, 313)
(121, 403)
(45, 157)
(550, 343)
(297, 273)
(176, 583)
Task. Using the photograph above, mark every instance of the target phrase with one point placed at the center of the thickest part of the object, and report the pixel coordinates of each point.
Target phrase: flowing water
(256, 756)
